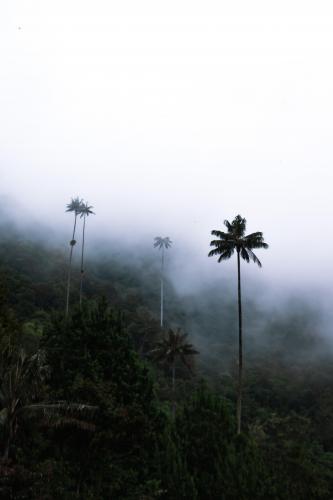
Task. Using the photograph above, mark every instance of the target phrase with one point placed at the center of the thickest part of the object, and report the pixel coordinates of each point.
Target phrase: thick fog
(169, 118)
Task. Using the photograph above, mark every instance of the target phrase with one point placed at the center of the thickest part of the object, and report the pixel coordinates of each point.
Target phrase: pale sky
(170, 117)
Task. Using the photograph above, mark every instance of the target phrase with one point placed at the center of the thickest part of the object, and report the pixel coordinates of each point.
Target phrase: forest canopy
(94, 406)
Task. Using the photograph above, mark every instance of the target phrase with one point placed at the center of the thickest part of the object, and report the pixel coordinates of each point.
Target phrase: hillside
(125, 442)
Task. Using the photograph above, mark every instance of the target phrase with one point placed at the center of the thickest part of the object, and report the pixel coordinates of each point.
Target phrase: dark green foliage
(223, 465)
(130, 447)
(92, 359)
(296, 465)
(177, 480)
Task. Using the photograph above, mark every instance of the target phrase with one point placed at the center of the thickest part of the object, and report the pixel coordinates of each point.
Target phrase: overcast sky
(170, 117)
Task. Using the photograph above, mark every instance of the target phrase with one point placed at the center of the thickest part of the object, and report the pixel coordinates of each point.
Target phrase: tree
(222, 464)
(92, 359)
(162, 244)
(22, 377)
(171, 348)
(85, 211)
(225, 246)
(74, 206)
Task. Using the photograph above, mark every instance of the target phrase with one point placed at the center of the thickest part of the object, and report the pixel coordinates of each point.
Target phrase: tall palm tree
(74, 206)
(225, 246)
(86, 210)
(162, 244)
(171, 348)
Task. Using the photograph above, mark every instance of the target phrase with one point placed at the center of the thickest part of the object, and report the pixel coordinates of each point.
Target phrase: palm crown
(86, 209)
(75, 205)
(162, 242)
(235, 239)
(174, 346)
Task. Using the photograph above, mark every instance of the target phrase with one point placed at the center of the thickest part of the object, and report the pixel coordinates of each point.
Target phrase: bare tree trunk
(82, 258)
(162, 287)
(72, 243)
(240, 350)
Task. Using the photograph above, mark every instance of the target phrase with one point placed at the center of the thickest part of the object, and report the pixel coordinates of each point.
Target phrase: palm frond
(86, 210)
(220, 234)
(62, 413)
(222, 249)
(224, 237)
(255, 240)
(63, 406)
(173, 346)
(162, 242)
(257, 234)
(235, 239)
(228, 225)
(186, 363)
(75, 205)
(253, 257)
(238, 226)
(226, 254)
(223, 244)
(257, 244)
(244, 254)
(61, 422)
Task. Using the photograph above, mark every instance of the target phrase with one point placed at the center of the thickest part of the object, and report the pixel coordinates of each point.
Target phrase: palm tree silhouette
(171, 348)
(162, 244)
(235, 239)
(74, 206)
(85, 211)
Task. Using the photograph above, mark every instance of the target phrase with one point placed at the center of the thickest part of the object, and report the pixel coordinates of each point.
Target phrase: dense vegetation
(88, 411)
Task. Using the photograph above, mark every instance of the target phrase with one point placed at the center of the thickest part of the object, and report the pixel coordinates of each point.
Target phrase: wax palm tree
(225, 246)
(169, 350)
(162, 244)
(86, 210)
(74, 206)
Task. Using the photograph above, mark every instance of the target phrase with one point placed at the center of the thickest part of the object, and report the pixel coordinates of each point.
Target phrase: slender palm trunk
(82, 259)
(70, 265)
(162, 287)
(240, 350)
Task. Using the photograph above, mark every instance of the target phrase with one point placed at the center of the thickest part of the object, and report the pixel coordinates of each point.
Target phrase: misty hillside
(102, 356)
(142, 367)
(36, 274)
